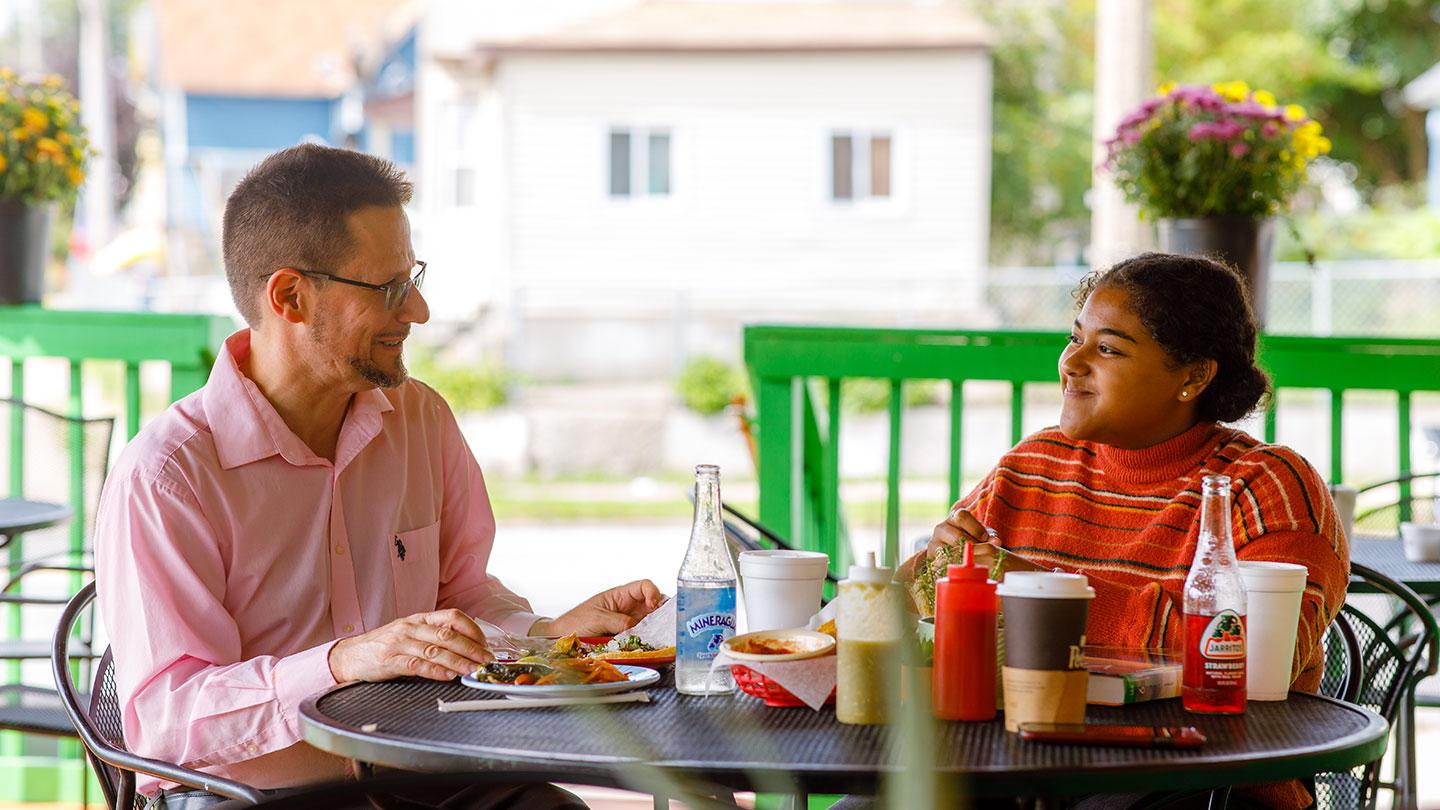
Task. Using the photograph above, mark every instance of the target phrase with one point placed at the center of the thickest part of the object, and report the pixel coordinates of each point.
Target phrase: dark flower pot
(24, 245)
(1244, 242)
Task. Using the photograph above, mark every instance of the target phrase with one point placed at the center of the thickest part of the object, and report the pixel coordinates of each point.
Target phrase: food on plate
(828, 628)
(630, 648)
(566, 672)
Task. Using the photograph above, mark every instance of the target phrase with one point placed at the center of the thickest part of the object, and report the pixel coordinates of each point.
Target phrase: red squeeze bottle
(963, 683)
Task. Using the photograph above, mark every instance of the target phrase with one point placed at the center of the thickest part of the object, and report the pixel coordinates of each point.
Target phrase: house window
(860, 165)
(639, 162)
(460, 130)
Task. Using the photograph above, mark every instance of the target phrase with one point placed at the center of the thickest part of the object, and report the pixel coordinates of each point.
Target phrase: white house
(609, 186)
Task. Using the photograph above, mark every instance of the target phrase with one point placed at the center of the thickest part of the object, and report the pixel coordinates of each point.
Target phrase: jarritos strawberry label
(1215, 663)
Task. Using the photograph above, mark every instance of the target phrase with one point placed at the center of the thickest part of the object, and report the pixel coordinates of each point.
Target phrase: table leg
(799, 800)
(662, 802)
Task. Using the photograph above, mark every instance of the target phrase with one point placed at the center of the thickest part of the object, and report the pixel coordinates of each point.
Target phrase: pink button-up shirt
(230, 558)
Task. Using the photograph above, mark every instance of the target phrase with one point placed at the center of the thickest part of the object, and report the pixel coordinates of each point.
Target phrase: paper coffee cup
(1272, 618)
(1044, 675)
(782, 587)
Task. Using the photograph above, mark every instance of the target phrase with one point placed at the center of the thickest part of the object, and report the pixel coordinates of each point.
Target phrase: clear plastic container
(869, 626)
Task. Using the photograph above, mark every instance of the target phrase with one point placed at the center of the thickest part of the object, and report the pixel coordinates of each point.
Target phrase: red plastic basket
(757, 685)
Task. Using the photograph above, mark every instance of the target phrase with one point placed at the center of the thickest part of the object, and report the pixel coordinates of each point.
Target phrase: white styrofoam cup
(782, 587)
(1272, 619)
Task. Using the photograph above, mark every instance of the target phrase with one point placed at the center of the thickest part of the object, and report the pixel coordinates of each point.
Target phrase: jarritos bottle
(1214, 611)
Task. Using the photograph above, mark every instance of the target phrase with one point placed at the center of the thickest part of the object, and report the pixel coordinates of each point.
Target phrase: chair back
(64, 459)
(1393, 659)
(1414, 497)
(100, 729)
(747, 534)
(1341, 678)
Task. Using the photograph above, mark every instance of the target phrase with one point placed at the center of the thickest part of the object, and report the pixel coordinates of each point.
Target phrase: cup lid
(1046, 585)
(784, 564)
(1266, 575)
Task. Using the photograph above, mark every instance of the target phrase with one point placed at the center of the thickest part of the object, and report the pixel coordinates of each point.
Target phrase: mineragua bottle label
(704, 618)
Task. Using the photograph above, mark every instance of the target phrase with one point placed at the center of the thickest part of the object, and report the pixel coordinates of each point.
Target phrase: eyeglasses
(396, 292)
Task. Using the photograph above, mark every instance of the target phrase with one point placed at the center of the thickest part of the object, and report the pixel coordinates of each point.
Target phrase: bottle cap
(967, 571)
(870, 573)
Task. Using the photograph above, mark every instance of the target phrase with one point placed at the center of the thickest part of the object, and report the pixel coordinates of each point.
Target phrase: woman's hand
(959, 526)
(962, 525)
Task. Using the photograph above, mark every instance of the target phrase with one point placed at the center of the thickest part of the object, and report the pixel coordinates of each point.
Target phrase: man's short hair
(291, 211)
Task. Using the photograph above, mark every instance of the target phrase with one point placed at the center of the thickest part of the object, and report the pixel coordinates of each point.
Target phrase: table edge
(1358, 748)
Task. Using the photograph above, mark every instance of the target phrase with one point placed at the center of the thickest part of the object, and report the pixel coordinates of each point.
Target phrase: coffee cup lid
(784, 564)
(1265, 575)
(1046, 585)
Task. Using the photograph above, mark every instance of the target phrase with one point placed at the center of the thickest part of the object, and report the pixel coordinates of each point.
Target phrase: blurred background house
(606, 195)
(238, 81)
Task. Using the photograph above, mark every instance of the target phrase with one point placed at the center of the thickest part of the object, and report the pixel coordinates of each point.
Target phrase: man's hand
(606, 613)
(440, 645)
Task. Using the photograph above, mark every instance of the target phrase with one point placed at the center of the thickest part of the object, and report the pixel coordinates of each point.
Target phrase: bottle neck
(707, 503)
(1215, 524)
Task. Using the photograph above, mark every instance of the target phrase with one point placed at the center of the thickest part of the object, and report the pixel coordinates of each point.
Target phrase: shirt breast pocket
(415, 569)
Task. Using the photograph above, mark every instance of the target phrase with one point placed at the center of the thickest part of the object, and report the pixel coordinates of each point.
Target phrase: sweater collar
(1170, 459)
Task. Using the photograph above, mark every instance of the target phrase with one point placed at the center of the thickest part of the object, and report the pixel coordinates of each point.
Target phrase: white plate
(638, 677)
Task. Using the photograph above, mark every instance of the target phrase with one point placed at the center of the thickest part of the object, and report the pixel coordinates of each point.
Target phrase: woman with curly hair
(1160, 356)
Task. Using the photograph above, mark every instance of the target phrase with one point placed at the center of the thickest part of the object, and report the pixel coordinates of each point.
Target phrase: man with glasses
(311, 516)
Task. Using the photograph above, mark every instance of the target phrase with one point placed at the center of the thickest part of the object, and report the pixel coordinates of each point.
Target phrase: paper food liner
(657, 629)
(809, 679)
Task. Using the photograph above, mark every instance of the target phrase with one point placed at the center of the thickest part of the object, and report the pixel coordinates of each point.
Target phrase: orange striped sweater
(1129, 520)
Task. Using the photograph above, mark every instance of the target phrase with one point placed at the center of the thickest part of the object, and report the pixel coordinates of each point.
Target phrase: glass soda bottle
(705, 595)
(1214, 681)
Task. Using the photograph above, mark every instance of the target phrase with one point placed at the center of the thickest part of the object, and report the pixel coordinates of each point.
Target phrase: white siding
(575, 282)
(751, 213)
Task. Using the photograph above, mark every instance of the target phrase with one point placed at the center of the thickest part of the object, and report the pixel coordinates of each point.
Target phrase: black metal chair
(1392, 660)
(1342, 676)
(26, 707)
(1413, 496)
(747, 534)
(48, 471)
(98, 724)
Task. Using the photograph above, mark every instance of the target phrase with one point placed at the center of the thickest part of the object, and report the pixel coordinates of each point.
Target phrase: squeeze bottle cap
(870, 573)
(967, 571)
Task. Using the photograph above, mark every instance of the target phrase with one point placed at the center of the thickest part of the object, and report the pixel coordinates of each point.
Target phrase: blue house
(240, 80)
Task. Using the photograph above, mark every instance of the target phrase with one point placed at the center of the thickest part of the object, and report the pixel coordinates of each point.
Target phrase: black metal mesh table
(1387, 555)
(739, 742)
(18, 516)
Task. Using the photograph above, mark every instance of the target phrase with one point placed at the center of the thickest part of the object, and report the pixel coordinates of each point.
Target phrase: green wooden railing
(799, 451)
(84, 341)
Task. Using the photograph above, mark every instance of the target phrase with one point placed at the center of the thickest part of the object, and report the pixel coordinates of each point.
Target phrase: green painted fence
(83, 340)
(799, 452)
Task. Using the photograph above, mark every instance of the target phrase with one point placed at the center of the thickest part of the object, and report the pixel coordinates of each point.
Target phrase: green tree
(1043, 69)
